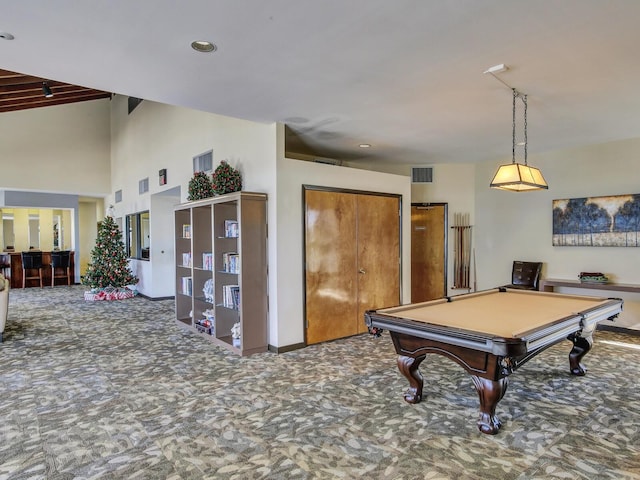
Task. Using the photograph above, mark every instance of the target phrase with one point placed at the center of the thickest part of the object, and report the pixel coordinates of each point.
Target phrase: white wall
(162, 243)
(514, 226)
(157, 136)
(61, 149)
(453, 184)
(88, 224)
(289, 294)
(55, 141)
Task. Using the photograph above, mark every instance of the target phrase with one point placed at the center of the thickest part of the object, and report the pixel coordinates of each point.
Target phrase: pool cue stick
(458, 252)
(475, 272)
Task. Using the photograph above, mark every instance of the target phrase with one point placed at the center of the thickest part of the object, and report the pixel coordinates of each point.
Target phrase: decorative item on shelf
(226, 179)
(205, 325)
(200, 187)
(235, 334)
(593, 277)
(208, 290)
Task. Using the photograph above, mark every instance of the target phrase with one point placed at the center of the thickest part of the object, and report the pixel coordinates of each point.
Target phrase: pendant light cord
(523, 97)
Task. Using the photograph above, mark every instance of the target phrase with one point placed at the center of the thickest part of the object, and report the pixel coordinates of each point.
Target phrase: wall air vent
(203, 162)
(421, 174)
(118, 196)
(327, 161)
(143, 186)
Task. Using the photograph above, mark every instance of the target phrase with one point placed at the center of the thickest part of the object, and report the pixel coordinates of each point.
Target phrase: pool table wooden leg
(581, 345)
(409, 368)
(490, 393)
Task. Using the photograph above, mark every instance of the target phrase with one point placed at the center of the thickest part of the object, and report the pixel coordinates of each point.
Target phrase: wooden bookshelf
(221, 269)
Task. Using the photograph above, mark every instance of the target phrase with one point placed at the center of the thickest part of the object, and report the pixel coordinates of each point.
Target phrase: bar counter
(16, 271)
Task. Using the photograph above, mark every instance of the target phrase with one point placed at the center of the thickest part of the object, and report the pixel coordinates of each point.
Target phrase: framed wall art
(612, 221)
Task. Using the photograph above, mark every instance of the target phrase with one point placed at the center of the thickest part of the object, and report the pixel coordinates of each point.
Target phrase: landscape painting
(597, 221)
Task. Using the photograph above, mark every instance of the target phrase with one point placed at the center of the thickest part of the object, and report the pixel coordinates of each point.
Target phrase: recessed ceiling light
(6, 36)
(365, 145)
(203, 46)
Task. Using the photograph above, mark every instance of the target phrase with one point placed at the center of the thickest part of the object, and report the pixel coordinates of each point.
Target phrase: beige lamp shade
(518, 177)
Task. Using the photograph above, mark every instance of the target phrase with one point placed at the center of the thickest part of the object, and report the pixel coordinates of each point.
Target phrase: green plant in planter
(226, 179)
(200, 187)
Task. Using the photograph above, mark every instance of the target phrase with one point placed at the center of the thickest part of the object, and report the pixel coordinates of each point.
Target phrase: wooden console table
(549, 284)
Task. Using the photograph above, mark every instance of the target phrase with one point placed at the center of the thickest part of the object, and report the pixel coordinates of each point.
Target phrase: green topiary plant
(200, 187)
(226, 179)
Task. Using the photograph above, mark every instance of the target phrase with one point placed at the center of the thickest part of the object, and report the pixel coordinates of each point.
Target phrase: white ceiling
(403, 75)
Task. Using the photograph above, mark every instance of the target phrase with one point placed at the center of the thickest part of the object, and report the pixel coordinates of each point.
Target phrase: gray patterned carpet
(114, 390)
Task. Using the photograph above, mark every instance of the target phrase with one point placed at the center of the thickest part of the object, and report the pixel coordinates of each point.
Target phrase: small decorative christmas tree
(226, 179)
(109, 265)
(200, 187)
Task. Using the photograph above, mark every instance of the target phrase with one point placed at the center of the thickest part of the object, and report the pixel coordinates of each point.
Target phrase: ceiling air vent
(203, 162)
(421, 174)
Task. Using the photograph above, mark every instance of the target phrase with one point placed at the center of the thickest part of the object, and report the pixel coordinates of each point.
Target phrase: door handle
(361, 270)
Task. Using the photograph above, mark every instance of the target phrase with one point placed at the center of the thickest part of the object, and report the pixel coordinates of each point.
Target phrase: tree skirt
(109, 293)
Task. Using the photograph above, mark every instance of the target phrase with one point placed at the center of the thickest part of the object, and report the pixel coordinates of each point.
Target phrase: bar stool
(31, 261)
(62, 262)
(5, 265)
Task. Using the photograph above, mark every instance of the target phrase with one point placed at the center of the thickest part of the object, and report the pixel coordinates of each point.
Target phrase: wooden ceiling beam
(46, 102)
(20, 92)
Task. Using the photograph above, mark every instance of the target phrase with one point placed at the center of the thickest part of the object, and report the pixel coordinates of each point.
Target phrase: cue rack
(462, 251)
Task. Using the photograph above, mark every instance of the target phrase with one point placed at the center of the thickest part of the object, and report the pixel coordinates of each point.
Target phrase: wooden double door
(352, 260)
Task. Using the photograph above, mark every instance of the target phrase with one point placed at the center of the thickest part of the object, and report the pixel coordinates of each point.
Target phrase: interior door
(352, 260)
(428, 252)
(378, 254)
(330, 267)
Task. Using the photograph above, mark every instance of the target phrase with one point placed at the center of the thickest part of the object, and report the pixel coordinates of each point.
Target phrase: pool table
(490, 334)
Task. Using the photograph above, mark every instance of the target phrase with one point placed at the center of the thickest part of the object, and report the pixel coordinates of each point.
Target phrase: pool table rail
(452, 336)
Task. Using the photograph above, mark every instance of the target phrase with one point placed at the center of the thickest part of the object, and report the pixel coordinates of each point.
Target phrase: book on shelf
(187, 285)
(186, 259)
(186, 230)
(231, 296)
(207, 261)
(231, 262)
(231, 228)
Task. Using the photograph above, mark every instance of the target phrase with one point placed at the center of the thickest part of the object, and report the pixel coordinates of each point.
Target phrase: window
(143, 186)
(138, 238)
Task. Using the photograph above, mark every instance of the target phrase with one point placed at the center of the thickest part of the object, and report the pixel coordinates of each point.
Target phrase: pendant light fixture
(517, 177)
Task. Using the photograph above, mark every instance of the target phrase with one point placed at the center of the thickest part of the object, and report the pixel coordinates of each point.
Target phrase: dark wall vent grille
(421, 174)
